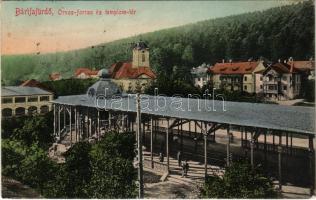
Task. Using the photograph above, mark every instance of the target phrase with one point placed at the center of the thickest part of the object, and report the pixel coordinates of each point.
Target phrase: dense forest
(275, 33)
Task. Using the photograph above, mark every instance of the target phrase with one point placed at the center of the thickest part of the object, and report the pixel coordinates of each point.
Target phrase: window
(271, 87)
(44, 109)
(261, 86)
(44, 98)
(199, 79)
(143, 57)
(270, 78)
(284, 87)
(284, 78)
(32, 99)
(20, 111)
(245, 87)
(261, 78)
(32, 110)
(7, 112)
(245, 78)
(19, 99)
(7, 100)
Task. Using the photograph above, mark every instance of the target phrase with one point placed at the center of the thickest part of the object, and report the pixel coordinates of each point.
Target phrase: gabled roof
(123, 70)
(86, 71)
(22, 91)
(234, 67)
(281, 68)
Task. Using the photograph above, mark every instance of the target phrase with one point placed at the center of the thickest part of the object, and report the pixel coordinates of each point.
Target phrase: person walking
(161, 157)
(179, 157)
(186, 167)
(183, 169)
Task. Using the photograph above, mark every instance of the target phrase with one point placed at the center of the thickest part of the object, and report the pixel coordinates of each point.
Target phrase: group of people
(182, 163)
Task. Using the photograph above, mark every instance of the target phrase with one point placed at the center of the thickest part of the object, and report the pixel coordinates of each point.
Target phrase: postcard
(158, 99)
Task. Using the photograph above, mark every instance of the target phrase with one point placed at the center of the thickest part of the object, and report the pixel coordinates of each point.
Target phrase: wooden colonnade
(88, 122)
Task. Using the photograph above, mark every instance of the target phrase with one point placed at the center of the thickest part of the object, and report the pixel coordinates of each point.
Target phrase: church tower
(140, 55)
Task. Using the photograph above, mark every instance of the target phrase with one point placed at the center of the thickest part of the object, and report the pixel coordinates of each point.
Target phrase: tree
(36, 168)
(187, 55)
(239, 181)
(77, 170)
(34, 130)
(113, 173)
(29, 164)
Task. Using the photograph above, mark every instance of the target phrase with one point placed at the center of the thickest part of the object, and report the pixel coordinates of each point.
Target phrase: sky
(24, 34)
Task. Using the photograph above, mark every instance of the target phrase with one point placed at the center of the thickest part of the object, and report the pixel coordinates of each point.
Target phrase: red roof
(34, 83)
(54, 76)
(122, 70)
(31, 83)
(302, 65)
(86, 71)
(234, 68)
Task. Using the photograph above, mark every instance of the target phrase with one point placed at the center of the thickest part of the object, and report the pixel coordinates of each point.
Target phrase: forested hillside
(275, 33)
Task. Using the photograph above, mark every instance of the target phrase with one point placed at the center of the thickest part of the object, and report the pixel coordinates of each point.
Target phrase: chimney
(230, 60)
(279, 60)
(284, 61)
(223, 60)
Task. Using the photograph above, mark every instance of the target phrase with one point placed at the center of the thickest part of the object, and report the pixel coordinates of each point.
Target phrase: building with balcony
(24, 100)
(281, 81)
(236, 76)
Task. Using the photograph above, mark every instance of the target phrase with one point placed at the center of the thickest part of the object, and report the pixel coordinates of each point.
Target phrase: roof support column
(314, 167)
(311, 164)
(70, 123)
(265, 147)
(58, 122)
(151, 142)
(99, 126)
(181, 139)
(190, 128)
(144, 132)
(228, 147)
(54, 111)
(195, 136)
(76, 124)
(291, 142)
(110, 121)
(205, 152)
(64, 112)
(280, 161)
(167, 144)
(252, 141)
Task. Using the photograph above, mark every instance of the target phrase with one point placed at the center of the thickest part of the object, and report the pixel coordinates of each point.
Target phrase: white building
(200, 75)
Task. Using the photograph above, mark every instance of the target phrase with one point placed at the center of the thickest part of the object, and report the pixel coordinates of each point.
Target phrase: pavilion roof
(297, 119)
